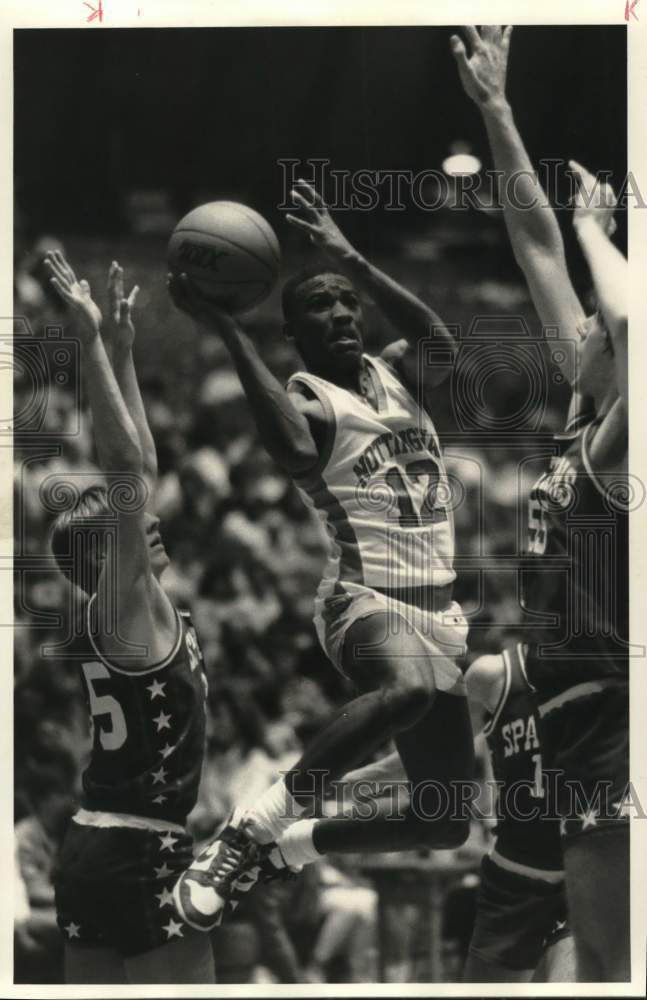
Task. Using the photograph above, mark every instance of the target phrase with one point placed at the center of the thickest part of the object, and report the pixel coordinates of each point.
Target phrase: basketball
(229, 250)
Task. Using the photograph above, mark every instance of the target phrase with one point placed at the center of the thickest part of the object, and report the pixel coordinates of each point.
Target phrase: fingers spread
(133, 297)
(312, 192)
(303, 203)
(54, 267)
(458, 48)
(62, 289)
(299, 223)
(64, 266)
(473, 36)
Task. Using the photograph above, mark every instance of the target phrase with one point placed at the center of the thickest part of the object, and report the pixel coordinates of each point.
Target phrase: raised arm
(410, 317)
(289, 425)
(593, 208)
(137, 623)
(119, 335)
(534, 232)
(533, 228)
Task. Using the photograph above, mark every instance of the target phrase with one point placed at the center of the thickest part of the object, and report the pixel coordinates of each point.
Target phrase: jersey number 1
(114, 736)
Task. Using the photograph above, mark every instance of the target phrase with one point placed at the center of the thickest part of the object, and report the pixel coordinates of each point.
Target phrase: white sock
(272, 814)
(296, 845)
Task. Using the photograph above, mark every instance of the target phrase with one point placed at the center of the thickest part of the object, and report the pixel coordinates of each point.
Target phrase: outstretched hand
(318, 224)
(187, 297)
(483, 73)
(594, 199)
(76, 293)
(120, 309)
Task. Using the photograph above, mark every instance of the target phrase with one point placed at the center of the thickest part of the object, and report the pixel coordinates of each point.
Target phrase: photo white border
(200, 13)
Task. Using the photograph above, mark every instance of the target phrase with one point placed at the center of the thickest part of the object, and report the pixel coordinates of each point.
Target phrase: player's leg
(90, 966)
(438, 757)
(397, 688)
(479, 970)
(186, 960)
(514, 916)
(437, 749)
(557, 964)
(597, 880)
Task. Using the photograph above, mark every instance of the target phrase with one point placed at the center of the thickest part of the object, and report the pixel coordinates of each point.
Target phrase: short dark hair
(290, 288)
(77, 537)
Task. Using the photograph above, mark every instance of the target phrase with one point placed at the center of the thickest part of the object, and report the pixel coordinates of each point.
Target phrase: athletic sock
(272, 814)
(296, 845)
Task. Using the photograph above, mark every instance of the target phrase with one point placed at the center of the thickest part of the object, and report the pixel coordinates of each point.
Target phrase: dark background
(208, 111)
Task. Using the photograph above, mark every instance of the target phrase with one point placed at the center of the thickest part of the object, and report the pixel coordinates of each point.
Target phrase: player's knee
(407, 701)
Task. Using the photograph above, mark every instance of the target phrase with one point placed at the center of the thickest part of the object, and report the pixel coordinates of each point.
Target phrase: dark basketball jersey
(527, 831)
(148, 730)
(575, 580)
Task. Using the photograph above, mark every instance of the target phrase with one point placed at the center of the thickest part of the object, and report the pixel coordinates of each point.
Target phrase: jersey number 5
(114, 735)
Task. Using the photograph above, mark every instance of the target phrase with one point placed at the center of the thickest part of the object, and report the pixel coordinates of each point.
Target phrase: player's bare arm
(119, 335)
(534, 232)
(285, 420)
(533, 228)
(143, 614)
(485, 680)
(411, 317)
(593, 208)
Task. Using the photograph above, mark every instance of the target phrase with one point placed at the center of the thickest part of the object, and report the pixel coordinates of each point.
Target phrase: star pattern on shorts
(167, 842)
(559, 924)
(159, 800)
(167, 750)
(589, 819)
(562, 827)
(156, 689)
(163, 872)
(72, 930)
(159, 777)
(165, 897)
(173, 929)
(623, 807)
(162, 721)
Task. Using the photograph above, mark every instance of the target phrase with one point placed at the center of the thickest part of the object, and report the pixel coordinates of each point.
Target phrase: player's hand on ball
(483, 73)
(318, 224)
(187, 297)
(76, 293)
(121, 328)
(594, 199)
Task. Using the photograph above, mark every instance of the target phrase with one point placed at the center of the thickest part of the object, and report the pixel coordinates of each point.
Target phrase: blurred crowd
(246, 559)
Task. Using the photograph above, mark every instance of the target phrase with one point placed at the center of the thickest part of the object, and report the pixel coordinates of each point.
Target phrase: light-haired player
(577, 575)
(144, 683)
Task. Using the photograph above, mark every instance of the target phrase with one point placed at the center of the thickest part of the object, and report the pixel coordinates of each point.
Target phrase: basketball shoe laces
(231, 860)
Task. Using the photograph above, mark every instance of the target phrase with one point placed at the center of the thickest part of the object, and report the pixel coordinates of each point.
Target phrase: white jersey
(380, 488)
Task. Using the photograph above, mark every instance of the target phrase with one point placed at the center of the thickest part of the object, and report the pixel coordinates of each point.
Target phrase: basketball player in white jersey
(365, 455)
